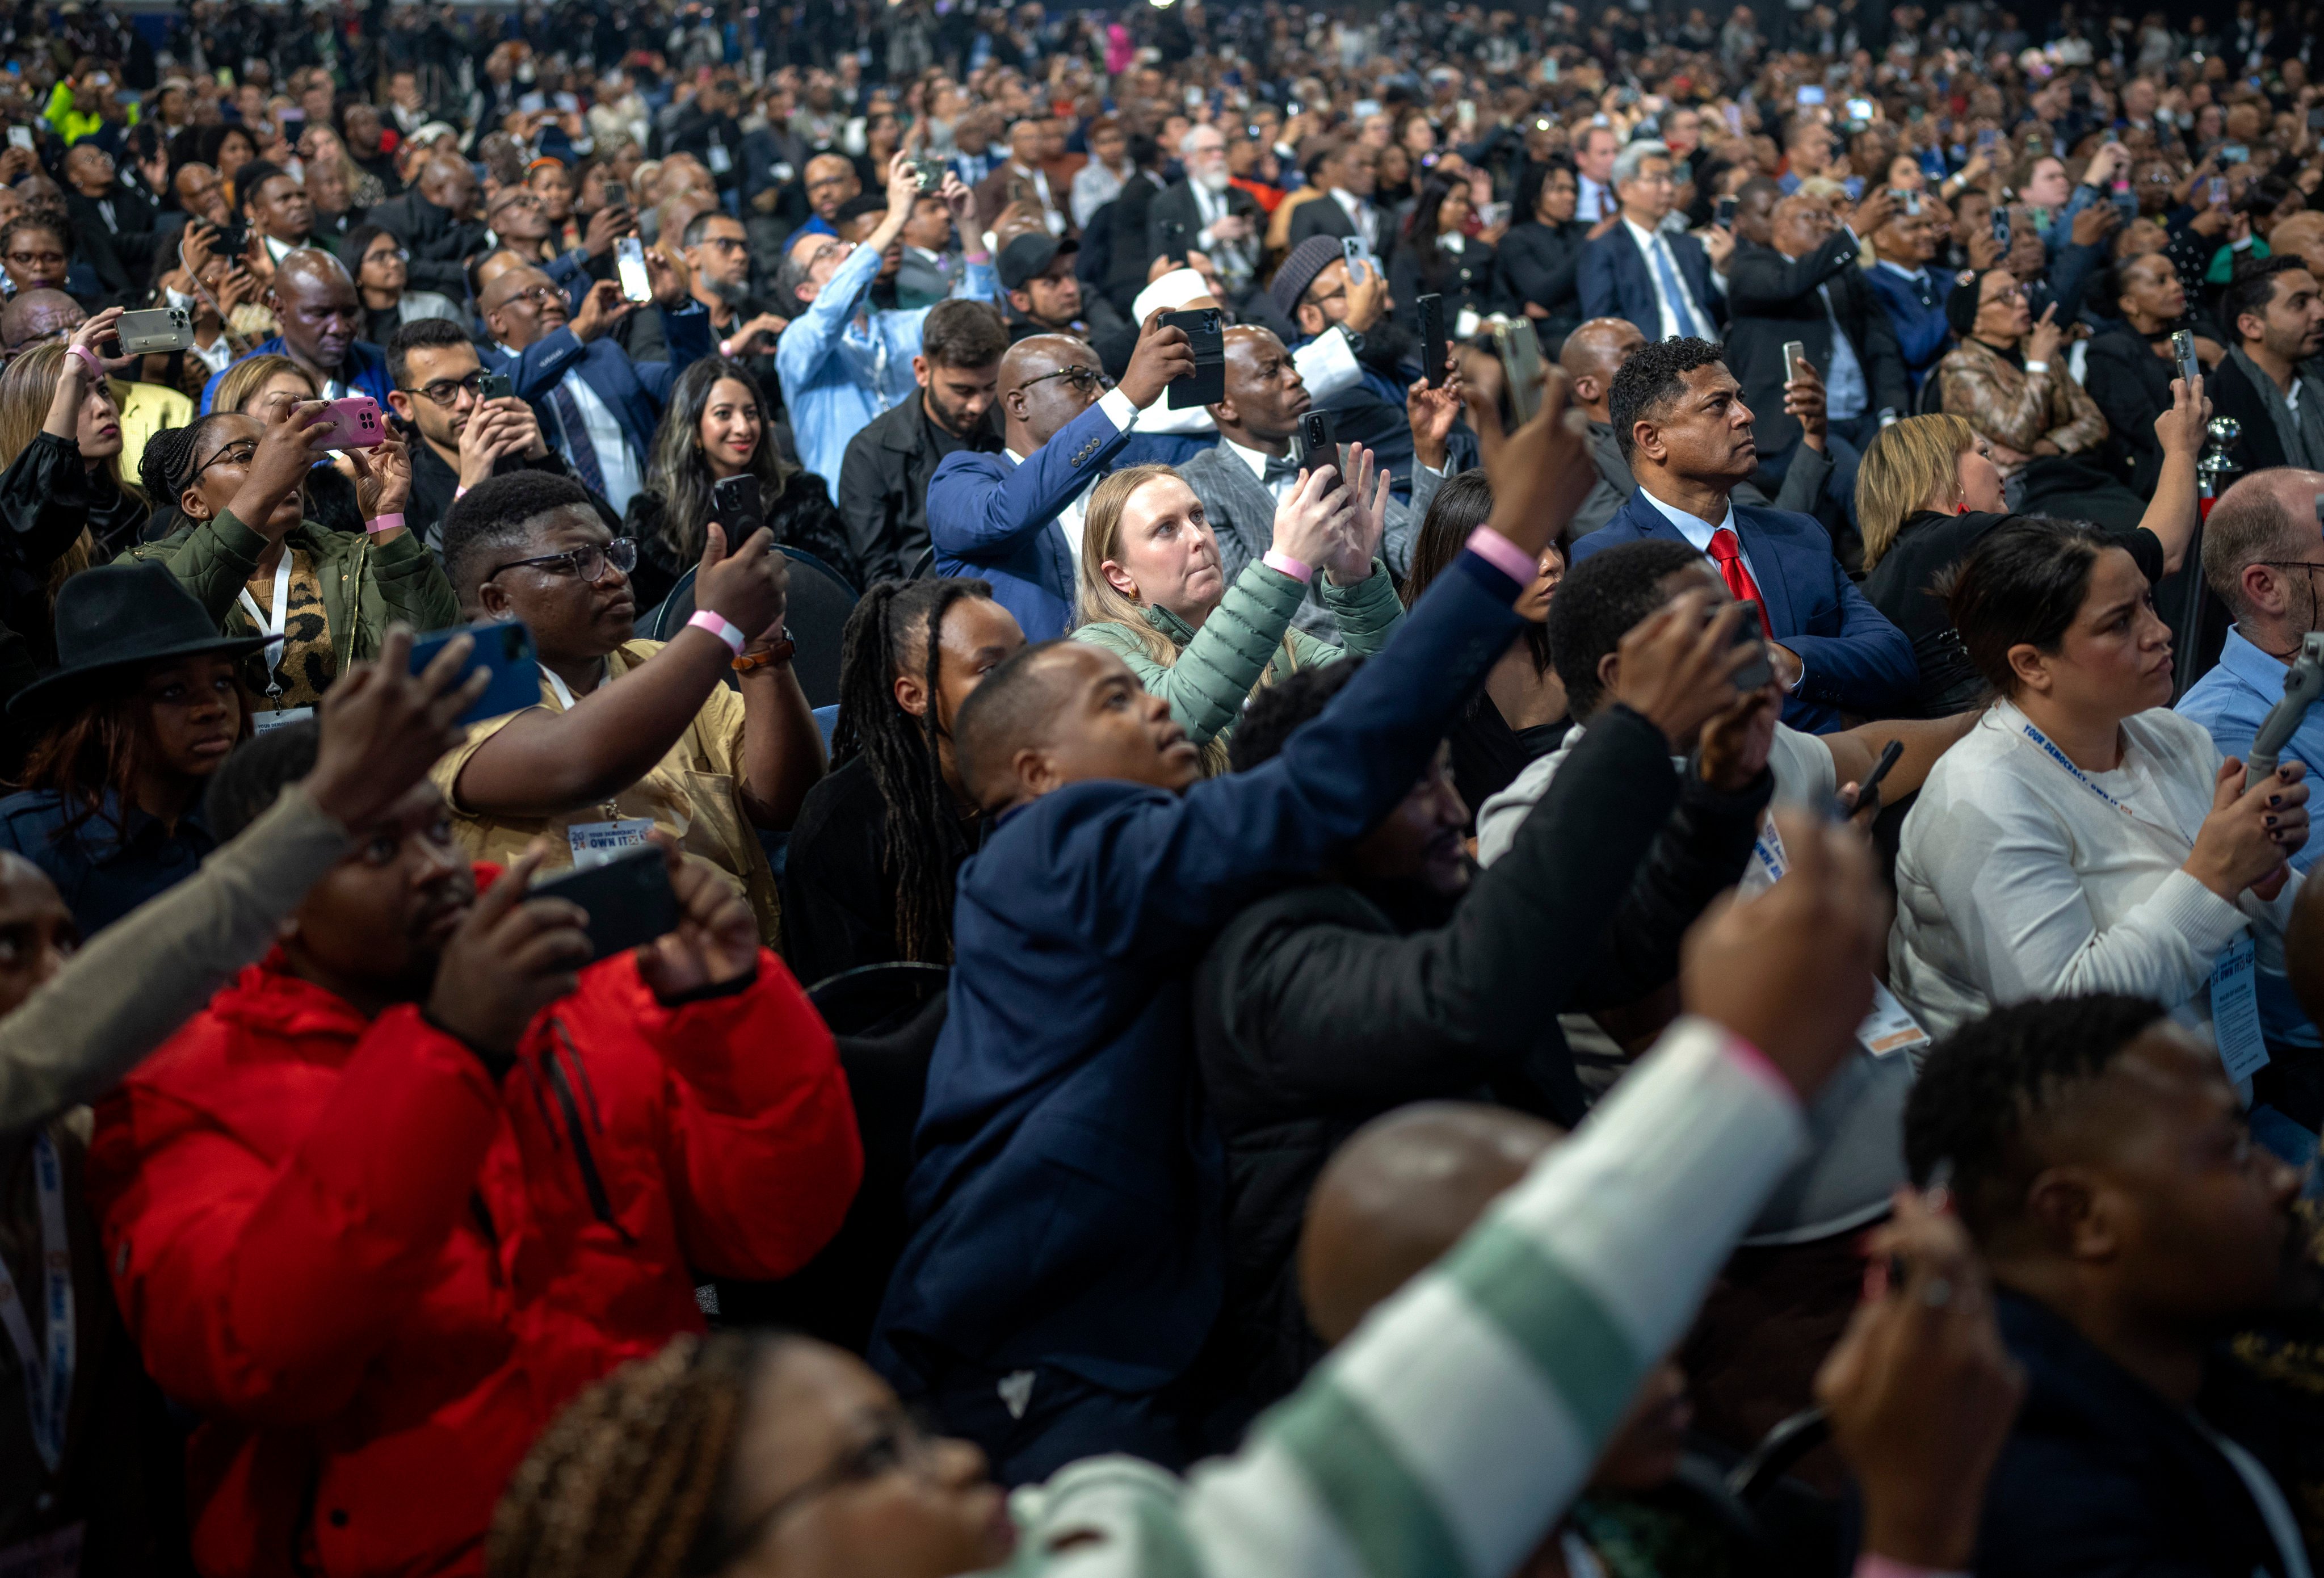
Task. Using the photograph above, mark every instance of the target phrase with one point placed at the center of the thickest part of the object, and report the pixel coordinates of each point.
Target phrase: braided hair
(627, 1481)
(168, 463)
(897, 627)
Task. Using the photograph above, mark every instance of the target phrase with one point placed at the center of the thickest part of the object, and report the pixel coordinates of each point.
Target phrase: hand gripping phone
(355, 423)
(629, 899)
(504, 649)
(1433, 351)
(630, 262)
(1207, 384)
(154, 330)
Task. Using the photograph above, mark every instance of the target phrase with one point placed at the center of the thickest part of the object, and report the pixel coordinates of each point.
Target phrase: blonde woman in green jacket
(1153, 591)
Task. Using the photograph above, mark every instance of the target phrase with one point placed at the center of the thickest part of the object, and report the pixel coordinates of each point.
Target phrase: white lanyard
(47, 1385)
(275, 641)
(557, 685)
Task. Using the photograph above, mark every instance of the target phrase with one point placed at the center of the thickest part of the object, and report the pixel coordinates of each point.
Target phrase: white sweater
(2014, 882)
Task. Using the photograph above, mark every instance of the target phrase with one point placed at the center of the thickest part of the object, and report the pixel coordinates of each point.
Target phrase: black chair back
(820, 601)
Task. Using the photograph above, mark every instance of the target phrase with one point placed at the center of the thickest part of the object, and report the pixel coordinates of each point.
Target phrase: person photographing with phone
(628, 736)
(337, 1177)
(471, 425)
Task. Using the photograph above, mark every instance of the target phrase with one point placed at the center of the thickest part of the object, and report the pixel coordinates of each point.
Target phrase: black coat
(1174, 223)
(1770, 301)
(1464, 279)
(2258, 447)
(1316, 1011)
(1538, 264)
(884, 487)
(439, 244)
(2132, 385)
(132, 232)
(2103, 1478)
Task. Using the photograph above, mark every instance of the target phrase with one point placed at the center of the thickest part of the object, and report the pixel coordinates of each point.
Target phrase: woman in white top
(2083, 837)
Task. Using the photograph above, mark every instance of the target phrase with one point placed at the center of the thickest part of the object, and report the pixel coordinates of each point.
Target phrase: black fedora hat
(119, 617)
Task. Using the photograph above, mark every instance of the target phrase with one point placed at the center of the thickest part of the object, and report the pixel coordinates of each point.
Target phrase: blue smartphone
(504, 648)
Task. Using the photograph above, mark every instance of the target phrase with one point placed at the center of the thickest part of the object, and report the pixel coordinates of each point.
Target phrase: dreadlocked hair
(896, 629)
(627, 1483)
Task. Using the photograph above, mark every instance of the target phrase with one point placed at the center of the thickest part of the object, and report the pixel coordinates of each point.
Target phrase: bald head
(2300, 235)
(1593, 354)
(35, 315)
(1402, 1191)
(1035, 402)
(447, 182)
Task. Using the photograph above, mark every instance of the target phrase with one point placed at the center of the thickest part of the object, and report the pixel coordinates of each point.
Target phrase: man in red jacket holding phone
(422, 1175)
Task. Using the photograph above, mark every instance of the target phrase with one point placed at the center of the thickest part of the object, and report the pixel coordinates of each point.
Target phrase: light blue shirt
(841, 367)
(1845, 395)
(2230, 703)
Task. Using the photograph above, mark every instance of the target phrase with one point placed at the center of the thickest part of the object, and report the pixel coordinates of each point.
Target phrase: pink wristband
(1504, 555)
(96, 367)
(379, 524)
(1871, 1566)
(705, 620)
(1283, 564)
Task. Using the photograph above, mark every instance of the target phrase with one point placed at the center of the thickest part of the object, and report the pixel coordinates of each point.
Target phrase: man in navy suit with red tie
(1679, 416)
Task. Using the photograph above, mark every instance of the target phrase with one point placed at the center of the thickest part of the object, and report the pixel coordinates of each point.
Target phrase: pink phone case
(355, 423)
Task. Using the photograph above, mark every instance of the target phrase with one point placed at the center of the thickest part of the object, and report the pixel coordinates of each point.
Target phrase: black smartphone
(1761, 669)
(1206, 330)
(1867, 793)
(233, 241)
(505, 647)
(494, 386)
(1173, 240)
(1318, 451)
(1434, 352)
(1722, 213)
(2001, 226)
(734, 505)
(629, 899)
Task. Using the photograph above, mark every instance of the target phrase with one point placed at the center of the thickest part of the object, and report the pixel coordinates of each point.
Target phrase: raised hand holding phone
(1364, 522)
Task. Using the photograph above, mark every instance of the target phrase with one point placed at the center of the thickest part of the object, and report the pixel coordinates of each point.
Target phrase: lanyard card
(2235, 1008)
(595, 844)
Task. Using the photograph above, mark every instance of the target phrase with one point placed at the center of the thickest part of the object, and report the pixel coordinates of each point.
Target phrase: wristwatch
(780, 652)
(1355, 340)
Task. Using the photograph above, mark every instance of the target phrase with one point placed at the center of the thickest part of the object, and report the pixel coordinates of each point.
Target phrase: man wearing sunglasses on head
(464, 438)
(1015, 519)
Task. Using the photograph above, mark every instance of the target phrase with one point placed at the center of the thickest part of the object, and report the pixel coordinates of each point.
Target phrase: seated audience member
(1153, 592)
(1063, 1042)
(1929, 491)
(1243, 478)
(321, 320)
(146, 408)
(306, 1195)
(36, 251)
(142, 706)
(436, 222)
(254, 558)
(1436, 257)
(717, 426)
(383, 273)
(1663, 283)
(1044, 295)
(2130, 368)
(61, 501)
(2261, 554)
(883, 480)
(718, 258)
(2007, 377)
(1341, 315)
(2083, 836)
(1520, 712)
(1680, 419)
(267, 388)
(2273, 312)
(602, 408)
(1807, 287)
(464, 439)
(1910, 289)
(1484, 1459)
(1206, 212)
(841, 361)
(880, 842)
(1392, 976)
(1013, 517)
(272, 203)
(1540, 258)
(2099, 1158)
(619, 742)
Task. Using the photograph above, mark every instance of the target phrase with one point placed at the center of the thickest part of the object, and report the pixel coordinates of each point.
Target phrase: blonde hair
(1099, 602)
(246, 377)
(27, 389)
(1907, 464)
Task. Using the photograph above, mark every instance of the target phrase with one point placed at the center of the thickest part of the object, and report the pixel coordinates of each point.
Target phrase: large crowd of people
(909, 788)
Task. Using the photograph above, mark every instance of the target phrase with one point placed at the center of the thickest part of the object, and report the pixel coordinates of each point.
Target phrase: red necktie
(1726, 552)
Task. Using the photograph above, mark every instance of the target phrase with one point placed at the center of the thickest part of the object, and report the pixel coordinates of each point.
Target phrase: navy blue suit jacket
(635, 392)
(989, 516)
(1857, 661)
(1616, 283)
(1067, 1202)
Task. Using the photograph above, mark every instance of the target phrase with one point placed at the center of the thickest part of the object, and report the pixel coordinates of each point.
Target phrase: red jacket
(377, 1276)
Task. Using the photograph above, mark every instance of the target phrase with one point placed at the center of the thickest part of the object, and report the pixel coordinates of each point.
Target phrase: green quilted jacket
(1241, 644)
(365, 583)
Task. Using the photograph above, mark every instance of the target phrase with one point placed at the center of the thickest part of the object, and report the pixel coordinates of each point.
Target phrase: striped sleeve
(1448, 1434)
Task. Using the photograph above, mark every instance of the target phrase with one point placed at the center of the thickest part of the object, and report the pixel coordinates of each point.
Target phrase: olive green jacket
(1240, 645)
(366, 583)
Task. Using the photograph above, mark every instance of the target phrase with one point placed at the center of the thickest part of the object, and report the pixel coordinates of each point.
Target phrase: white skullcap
(1169, 293)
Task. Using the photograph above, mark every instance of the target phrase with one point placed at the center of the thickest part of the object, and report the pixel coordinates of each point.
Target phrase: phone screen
(630, 261)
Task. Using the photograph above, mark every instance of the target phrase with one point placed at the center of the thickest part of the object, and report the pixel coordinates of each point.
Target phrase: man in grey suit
(929, 271)
(1252, 467)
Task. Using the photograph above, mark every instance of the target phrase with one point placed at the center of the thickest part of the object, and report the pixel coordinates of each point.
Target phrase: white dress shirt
(1647, 242)
(1595, 202)
(615, 462)
(1363, 214)
(1124, 416)
(1281, 488)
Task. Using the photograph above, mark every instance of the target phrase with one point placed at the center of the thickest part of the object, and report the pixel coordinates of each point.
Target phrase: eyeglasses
(1083, 380)
(586, 564)
(540, 295)
(445, 390)
(237, 453)
(901, 1442)
(387, 254)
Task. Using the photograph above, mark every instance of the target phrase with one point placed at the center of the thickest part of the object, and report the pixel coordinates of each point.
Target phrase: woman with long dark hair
(126, 732)
(715, 426)
(878, 842)
(1541, 257)
(1435, 256)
